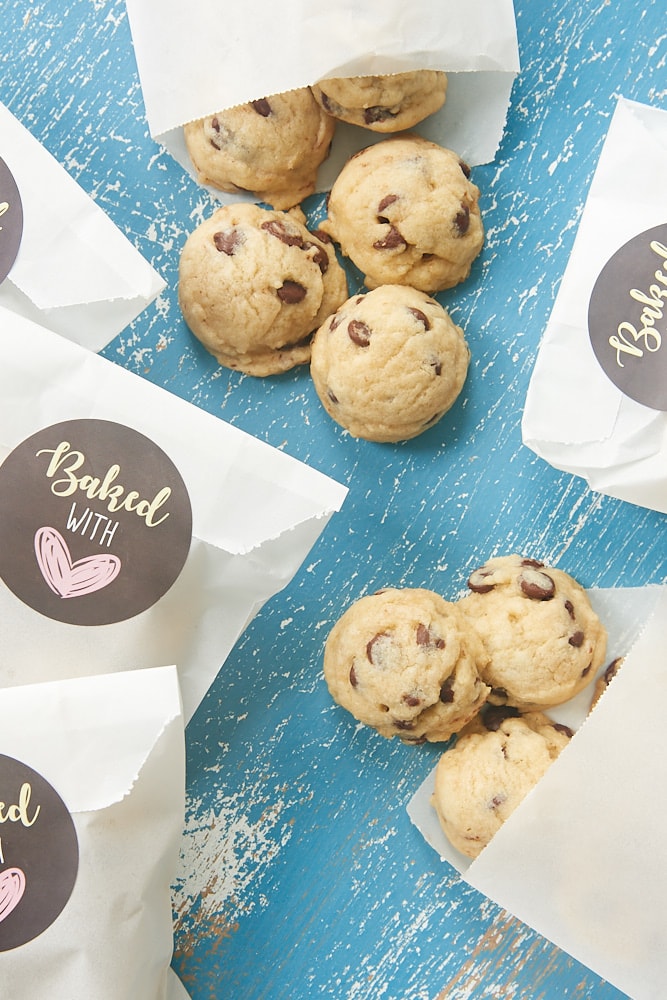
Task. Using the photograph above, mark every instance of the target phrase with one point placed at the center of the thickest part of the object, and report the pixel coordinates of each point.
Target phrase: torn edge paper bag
(92, 786)
(135, 528)
(597, 399)
(194, 61)
(66, 264)
(583, 859)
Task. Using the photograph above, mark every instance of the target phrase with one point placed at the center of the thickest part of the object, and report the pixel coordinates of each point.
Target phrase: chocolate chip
(359, 333)
(353, 677)
(424, 637)
(576, 640)
(560, 728)
(392, 240)
(497, 800)
(477, 578)
(216, 141)
(291, 292)
(276, 228)
(326, 101)
(262, 107)
(369, 645)
(465, 168)
(420, 316)
(536, 585)
(569, 607)
(404, 724)
(321, 235)
(493, 716)
(335, 320)
(412, 700)
(320, 257)
(437, 367)
(462, 220)
(586, 670)
(612, 669)
(413, 740)
(229, 241)
(331, 396)
(377, 114)
(447, 691)
(388, 200)
(535, 563)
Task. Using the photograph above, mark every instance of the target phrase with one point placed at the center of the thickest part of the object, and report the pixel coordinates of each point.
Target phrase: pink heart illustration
(12, 887)
(67, 578)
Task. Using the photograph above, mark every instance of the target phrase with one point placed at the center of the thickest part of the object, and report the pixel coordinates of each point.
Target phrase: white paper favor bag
(597, 398)
(135, 529)
(66, 265)
(583, 859)
(195, 60)
(92, 785)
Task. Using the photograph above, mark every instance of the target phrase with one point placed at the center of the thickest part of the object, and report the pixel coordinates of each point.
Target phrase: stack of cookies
(484, 668)
(404, 211)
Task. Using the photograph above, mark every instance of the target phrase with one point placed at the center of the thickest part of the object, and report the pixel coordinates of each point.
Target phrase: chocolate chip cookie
(388, 364)
(389, 103)
(271, 148)
(495, 762)
(406, 212)
(253, 286)
(405, 662)
(544, 640)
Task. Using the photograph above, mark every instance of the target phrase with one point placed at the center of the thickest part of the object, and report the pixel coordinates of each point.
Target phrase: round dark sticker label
(39, 854)
(95, 522)
(627, 318)
(11, 220)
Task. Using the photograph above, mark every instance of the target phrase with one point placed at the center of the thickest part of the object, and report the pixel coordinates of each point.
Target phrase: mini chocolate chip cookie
(544, 640)
(406, 663)
(253, 286)
(389, 103)
(406, 212)
(495, 762)
(388, 364)
(271, 148)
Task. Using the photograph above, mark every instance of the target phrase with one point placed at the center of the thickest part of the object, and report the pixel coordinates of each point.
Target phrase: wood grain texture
(301, 875)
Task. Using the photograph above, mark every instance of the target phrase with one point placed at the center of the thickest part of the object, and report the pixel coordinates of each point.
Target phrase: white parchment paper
(575, 417)
(113, 749)
(194, 60)
(256, 514)
(583, 860)
(75, 272)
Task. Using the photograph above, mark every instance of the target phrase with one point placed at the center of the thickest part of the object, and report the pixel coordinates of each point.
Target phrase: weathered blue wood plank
(301, 875)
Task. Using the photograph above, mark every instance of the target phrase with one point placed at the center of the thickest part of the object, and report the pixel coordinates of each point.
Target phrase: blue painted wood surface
(301, 874)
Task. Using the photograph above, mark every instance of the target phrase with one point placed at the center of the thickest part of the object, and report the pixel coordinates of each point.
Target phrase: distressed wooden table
(301, 875)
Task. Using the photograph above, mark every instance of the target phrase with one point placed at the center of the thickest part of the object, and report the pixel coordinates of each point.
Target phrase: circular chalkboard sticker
(627, 318)
(39, 854)
(11, 220)
(95, 522)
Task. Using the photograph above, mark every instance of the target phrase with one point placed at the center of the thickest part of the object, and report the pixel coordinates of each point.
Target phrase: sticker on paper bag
(96, 522)
(11, 220)
(39, 854)
(627, 318)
